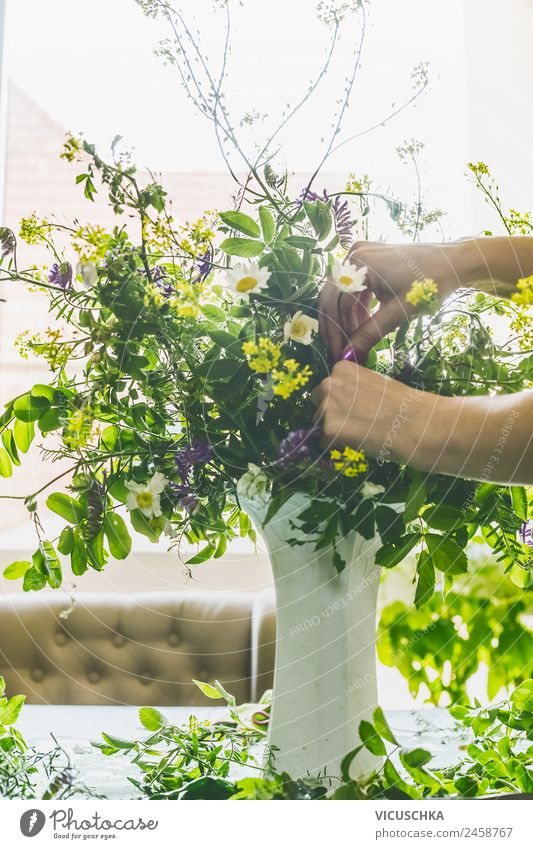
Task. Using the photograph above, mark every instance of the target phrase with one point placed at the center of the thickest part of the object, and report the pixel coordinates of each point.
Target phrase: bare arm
(485, 438)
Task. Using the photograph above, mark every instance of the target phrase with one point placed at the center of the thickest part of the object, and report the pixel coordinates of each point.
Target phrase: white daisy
(300, 328)
(371, 490)
(348, 278)
(247, 280)
(146, 496)
(87, 272)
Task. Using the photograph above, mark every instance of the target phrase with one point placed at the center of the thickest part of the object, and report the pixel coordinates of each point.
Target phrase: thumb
(387, 318)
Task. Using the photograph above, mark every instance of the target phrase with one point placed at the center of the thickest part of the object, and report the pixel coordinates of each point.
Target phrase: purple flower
(295, 447)
(8, 242)
(61, 275)
(525, 533)
(195, 454)
(183, 496)
(204, 265)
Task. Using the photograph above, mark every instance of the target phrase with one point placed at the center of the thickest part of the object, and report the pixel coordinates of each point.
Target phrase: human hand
(345, 320)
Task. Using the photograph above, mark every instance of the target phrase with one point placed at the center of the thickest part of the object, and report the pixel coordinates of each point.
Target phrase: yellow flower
(524, 296)
(290, 378)
(349, 462)
(423, 293)
(522, 324)
(262, 357)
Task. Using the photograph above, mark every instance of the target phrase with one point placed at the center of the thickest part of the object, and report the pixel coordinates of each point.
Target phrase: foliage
(483, 619)
(24, 772)
(203, 760)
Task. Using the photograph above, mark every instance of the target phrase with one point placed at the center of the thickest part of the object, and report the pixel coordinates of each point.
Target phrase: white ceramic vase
(325, 671)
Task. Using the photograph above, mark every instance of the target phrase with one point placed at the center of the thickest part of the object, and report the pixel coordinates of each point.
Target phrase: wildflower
(262, 357)
(347, 277)
(184, 497)
(290, 378)
(253, 484)
(524, 296)
(525, 534)
(204, 265)
(34, 230)
(295, 447)
(423, 294)
(300, 328)
(371, 490)
(247, 280)
(196, 454)
(349, 462)
(88, 273)
(8, 242)
(146, 497)
(522, 324)
(61, 274)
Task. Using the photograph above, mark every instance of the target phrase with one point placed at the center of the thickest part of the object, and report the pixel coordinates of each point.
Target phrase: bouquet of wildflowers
(183, 359)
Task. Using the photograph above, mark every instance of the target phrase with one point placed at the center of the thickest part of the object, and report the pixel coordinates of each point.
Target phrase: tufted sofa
(135, 649)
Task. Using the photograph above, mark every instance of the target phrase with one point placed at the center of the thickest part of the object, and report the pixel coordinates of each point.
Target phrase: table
(76, 726)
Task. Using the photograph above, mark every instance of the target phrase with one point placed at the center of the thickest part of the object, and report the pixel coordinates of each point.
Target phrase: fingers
(386, 319)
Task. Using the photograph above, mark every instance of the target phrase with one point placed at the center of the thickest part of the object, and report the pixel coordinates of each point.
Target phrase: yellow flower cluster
(524, 296)
(290, 378)
(263, 356)
(522, 324)
(185, 302)
(54, 349)
(90, 242)
(78, 427)
(35, 231)
(423, 293)
(349, 462)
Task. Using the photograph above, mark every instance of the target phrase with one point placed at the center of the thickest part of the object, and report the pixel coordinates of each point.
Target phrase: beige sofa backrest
(135, 649)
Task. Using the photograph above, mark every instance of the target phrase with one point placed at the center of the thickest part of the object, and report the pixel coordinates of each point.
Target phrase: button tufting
(119, 640)
(94, 677)
(145, 678)
(173, 639)
(61, 638)
(37, 675)
(204, 675)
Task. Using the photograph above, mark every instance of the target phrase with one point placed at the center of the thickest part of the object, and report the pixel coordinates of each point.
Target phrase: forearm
(485, 438)
(493, 265)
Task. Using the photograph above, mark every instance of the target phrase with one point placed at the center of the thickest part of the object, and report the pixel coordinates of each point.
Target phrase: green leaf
(415, 758)
(33, 580)
(224, 339)
(6, 466)
(118, 742)
(78, 557)
(213, 313)
(16, 570)
(66, 507)
(364, 520)
(24, 433)
(390, 555)
(416, 497)
(268, 224)
(382, 726)
(207, 689)
(242, 247)
(241, 222)
(223, 369)
(50, 564)
(117, 536)
(425, 586)
(9, 713)
(446, 554)
(444, 518)
(203, 555)
(519, 500)
(522, 696)
(28, 408)
(151, 718)
(371, 739)
(66, 541)
(10, 446)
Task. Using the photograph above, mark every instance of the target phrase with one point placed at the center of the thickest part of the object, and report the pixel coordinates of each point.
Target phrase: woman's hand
(484, 437)
(344, 318)
(363, 409)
